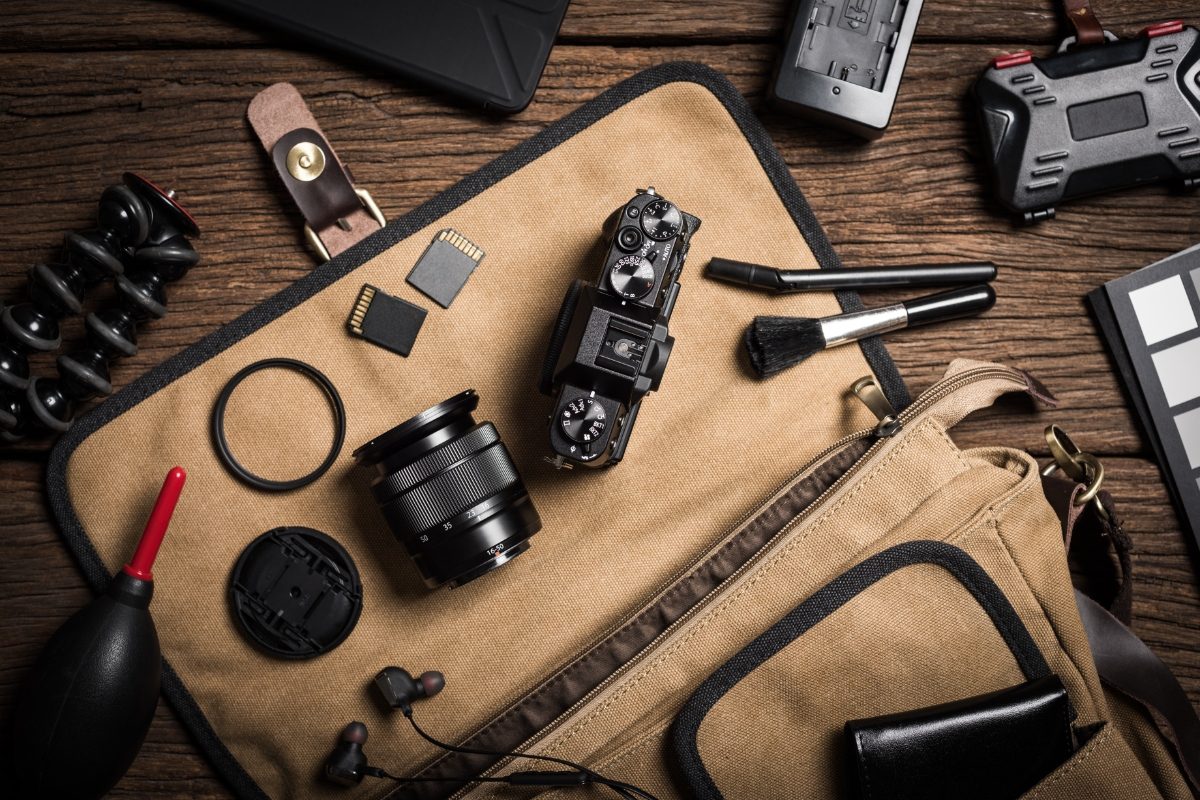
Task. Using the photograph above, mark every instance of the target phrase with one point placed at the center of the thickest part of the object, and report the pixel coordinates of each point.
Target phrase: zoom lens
(451, 493)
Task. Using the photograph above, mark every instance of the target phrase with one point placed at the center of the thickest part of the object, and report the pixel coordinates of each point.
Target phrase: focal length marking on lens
(475, 514)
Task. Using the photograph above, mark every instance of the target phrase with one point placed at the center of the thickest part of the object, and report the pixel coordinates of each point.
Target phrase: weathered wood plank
(123, 24)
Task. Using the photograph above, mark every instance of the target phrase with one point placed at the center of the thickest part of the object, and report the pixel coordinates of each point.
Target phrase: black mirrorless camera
(610, 345)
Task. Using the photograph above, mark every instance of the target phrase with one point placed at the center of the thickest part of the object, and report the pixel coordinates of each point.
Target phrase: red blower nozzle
(86, 706)
(156, 527)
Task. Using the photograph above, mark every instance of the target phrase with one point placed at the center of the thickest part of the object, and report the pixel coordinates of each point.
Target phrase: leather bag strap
(1090, 541)
(1126, 665)
(1088, 29)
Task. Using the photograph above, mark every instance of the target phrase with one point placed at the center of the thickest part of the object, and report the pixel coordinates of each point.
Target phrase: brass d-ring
(369, 204)
(1095, 471)
(1083, 468)
(1065, 453)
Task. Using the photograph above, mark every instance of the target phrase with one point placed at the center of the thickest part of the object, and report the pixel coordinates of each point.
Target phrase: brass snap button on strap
(337, 214)
(222, 445)
(306, 161)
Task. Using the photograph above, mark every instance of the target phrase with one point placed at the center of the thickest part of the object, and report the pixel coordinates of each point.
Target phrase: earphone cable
(624, 789)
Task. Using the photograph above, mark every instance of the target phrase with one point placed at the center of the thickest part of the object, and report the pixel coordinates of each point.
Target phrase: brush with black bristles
(776, 343)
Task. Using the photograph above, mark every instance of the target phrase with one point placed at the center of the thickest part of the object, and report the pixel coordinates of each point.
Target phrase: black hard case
(1092, 120)
(490, 53)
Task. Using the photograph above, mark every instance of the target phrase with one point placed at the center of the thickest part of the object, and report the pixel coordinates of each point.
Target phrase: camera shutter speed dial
(661, 220)
(632, 277)
(583, 420)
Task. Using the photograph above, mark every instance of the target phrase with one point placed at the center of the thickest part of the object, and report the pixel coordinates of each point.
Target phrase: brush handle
(783, 281)
(954, 304)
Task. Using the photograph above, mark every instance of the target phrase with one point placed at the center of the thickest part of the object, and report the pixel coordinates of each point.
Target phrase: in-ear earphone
(347, 762)
(347, 765)
(399, 689)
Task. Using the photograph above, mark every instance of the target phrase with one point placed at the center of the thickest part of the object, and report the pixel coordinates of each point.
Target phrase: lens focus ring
(451, 493)
(445, 456)
(457, 489)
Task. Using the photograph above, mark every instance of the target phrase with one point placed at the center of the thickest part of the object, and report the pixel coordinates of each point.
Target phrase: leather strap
(1090, 541)
(1088, 29)
(1127, 666)
(338, 214)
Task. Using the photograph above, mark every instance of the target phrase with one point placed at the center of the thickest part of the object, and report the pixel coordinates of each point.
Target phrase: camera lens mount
(450, 492)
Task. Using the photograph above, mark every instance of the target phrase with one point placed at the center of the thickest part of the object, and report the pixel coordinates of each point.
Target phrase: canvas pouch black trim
(823, 603)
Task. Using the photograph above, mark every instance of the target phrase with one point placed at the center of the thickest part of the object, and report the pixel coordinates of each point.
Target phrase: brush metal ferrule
(846, 328)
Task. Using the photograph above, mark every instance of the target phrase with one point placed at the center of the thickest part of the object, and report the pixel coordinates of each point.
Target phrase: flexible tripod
(141, 245)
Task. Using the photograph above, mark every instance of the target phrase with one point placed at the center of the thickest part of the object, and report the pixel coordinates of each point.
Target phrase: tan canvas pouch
(915, 638)
(710, 444)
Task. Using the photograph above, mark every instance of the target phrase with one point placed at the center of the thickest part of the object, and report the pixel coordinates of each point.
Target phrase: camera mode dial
(632, 277)
(661, 220)
(583, 420)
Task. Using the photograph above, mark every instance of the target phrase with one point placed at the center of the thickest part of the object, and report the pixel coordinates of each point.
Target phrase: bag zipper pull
(868, 391)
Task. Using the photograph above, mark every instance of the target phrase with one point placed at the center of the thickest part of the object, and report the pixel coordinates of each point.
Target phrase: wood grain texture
(161, 88)
(30, 24)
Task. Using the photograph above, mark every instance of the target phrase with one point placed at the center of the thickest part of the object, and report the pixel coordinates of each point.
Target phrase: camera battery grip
(843, 61)
(1092, 120)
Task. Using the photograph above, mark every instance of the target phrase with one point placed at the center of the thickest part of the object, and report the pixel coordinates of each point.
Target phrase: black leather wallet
(994, 747)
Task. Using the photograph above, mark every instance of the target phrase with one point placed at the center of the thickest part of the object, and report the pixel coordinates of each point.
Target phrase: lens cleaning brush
(776, 343)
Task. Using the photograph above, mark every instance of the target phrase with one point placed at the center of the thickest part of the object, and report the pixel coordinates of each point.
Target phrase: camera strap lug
(868, 391)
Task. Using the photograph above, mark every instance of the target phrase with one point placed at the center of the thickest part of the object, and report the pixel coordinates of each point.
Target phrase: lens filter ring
(221, 444)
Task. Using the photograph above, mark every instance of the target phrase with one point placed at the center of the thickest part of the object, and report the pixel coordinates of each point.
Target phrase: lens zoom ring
(432, 463)
(456, 490)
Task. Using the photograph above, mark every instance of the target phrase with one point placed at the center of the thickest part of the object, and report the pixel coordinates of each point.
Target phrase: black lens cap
(295, 592)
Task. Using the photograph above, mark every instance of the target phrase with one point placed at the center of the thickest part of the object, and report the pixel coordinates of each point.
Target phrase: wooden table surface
(88, 90)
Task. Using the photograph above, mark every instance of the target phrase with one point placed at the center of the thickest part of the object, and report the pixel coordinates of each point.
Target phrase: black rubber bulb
(80, 719)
